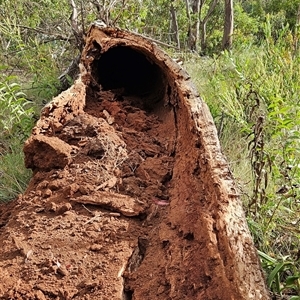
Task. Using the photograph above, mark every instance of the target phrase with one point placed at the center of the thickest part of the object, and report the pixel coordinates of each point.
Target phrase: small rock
(40, 295)
(62, 270)
(52, 207)
(65, 207)
(40, 209)
(96, 247)
(160, 290)
(47, 193)
(38, 193)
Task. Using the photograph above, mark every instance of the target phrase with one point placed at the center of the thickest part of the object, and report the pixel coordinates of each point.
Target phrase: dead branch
(47, 33)
(74, 23)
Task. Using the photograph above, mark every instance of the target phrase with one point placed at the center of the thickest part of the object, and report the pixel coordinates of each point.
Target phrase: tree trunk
(296, 34)
(193, 26)
(188, 15)
(228, 25)
(203, 24)
(196, 11)
(203, 37)
(131, 196)
(174, 26)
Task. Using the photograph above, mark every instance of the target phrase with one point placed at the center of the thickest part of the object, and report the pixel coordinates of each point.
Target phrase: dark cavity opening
(189, 236)
(129, 72)
(127, 295)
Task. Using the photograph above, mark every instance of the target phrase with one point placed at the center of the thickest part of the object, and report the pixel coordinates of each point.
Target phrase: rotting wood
(172, 186)
(201, 207)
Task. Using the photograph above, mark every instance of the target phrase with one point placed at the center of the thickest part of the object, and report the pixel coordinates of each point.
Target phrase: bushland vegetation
(249, 77)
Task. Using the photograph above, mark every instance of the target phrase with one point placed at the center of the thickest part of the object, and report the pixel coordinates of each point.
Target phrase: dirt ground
(82, 226)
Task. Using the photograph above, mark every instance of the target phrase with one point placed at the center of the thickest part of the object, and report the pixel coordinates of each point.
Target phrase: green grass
(16, 121)
(253, 94)
(14, 177)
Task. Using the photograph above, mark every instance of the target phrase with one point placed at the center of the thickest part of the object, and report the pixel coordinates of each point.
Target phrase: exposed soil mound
(131, 197)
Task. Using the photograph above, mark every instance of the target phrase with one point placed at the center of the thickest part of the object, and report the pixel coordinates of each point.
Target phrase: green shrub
(16, 121)
(16, 113)
(253, 93)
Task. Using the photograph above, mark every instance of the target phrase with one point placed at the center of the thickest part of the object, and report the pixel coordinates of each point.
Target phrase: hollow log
(133, 142)
(209, 253)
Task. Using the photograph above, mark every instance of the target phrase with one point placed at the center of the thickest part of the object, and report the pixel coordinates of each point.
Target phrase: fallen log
(131, 127)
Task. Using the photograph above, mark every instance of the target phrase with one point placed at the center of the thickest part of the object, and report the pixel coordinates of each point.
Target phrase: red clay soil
(77, 228)
(119, 207)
